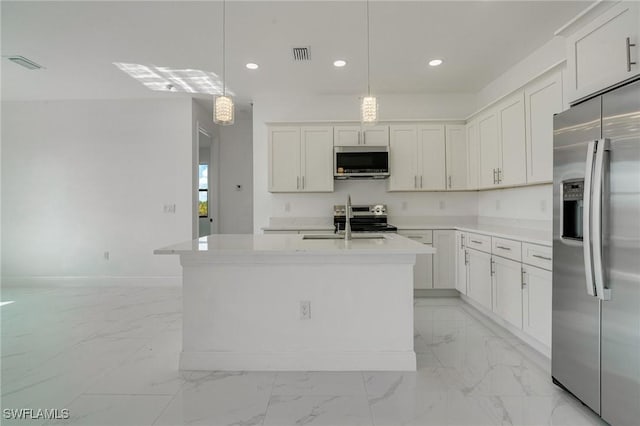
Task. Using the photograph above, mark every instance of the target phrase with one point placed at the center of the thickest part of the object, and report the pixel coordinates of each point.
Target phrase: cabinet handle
(302, 182)
(499, 175)
(297, 182)
(542, 257)
(358, 137)
(415, 181)
(466, 257)
(477, 242)
(503, 248)
(495, 180)
(523, 277)
(462, 241)
(629, 46)
(449, 181)
(364, 138)
(491, 267)
(420, 181)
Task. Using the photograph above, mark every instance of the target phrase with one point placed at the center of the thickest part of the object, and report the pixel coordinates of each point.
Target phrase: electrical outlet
(106, 255)
(169, 208)
(305, 310)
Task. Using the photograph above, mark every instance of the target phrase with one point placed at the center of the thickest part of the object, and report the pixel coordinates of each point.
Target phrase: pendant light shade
(222, 104)
(369, 108)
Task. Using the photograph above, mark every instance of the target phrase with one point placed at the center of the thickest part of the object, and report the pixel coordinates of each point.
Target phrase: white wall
(236, 151)
(326, 108)
(83, 177)
(530, 203)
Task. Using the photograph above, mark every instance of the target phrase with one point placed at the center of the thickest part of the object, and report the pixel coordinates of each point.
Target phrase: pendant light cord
(224, 80)
(368, 54)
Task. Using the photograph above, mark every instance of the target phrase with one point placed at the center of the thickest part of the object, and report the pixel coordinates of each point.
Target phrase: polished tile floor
(110, 355)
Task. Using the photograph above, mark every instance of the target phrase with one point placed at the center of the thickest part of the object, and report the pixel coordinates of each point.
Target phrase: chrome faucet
(347, 219)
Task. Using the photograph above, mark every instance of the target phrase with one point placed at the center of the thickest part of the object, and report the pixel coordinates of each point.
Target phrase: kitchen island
(285, 302)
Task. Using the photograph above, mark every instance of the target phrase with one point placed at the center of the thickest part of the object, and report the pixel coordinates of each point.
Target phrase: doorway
(207, 182)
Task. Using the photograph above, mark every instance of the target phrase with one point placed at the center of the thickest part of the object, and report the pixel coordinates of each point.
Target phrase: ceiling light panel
(166, 79)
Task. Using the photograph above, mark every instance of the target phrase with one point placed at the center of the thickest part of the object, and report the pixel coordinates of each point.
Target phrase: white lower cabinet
(507, 290)
(444, 259)
(479, 280)
(536, 302)
(423, 269)
(461, 263)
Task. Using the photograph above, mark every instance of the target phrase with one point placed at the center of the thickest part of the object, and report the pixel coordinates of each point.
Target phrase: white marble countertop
(248, 244)
(534, 236)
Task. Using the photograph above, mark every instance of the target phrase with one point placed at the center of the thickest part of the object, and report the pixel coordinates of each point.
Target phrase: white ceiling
(78, 41)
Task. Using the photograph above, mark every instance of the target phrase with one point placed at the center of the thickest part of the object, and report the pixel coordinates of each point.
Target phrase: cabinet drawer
(506, 248)
(422, 236)
(537, 255)
(479, 242)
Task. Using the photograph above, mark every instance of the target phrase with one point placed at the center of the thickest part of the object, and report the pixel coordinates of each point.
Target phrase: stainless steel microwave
(358, 162)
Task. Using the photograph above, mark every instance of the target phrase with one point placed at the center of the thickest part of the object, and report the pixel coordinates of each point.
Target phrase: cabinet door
(431, 158)
(403, 161)
(542, 100)
(444, 267)
(537, 303)
(423, 269)
(479, 278)
(461, 263)
(284, 159)
(598, 55)
(513, 170)
(375, 135)
(456, 153)
(489, 149)
(507, 290)
(473, 155)
(317, 159)
(346, 136)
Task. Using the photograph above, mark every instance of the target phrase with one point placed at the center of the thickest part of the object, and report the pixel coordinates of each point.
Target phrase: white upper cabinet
(456, 154)
(473, 155)
(490, 155)
(403, 158)
(431, 152)
(543, 99)
(603, 52)
(513, 167)
(417, 158)
(284, 159)
(316, 159)
(301, 159)
(361, 135)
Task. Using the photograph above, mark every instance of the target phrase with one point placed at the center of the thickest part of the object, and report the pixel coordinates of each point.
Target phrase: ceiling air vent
(301, 54)
(27, 63)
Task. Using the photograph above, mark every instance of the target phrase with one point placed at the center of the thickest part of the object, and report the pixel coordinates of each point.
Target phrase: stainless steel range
(364, 218)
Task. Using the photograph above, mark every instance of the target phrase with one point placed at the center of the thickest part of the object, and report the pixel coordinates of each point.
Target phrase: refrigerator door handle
(586, 220)
(599, 176)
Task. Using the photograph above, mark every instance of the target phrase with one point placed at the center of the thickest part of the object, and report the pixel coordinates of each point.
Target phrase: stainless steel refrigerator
(595, 351)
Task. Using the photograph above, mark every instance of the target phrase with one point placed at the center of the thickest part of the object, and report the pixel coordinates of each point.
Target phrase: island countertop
(250, 244)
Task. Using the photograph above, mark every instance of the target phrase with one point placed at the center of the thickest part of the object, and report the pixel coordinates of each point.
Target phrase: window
(203, 188)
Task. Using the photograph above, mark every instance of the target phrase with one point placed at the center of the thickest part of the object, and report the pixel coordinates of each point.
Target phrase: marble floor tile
(110, 355)
(319, 383)
(327, 410)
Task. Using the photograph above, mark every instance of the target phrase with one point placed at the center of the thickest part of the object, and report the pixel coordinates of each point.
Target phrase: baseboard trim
(436, 292)
(91, 281)
(299, 361)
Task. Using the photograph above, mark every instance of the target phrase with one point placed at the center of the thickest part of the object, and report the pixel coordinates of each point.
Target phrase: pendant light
(223, 104)
(369, 108)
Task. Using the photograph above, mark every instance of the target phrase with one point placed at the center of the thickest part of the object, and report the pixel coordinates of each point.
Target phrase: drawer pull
(477, 242)
(542, 257)
(503, 248)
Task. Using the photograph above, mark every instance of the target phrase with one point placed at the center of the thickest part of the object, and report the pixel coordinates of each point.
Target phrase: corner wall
(80, 178)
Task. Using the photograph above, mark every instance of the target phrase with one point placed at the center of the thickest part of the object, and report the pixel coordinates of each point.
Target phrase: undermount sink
(341, 237)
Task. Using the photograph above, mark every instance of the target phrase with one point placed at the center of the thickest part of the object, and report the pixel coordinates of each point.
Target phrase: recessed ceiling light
(252, 66)
(435, 62)
(339, 63)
